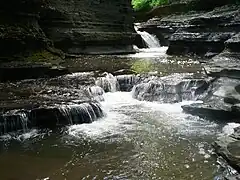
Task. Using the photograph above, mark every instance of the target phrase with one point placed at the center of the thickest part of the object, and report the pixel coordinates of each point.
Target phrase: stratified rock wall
(73, 26)
(92, 27)
(19, 28)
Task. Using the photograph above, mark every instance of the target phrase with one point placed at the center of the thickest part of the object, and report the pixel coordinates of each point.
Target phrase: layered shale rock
(75, 27)
(91, 27)
(198, 32)
(49, 103)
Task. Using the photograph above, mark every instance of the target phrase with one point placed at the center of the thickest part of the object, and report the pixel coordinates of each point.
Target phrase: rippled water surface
(135, 139)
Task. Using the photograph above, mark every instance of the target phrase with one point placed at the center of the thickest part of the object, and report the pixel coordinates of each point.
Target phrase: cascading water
(13, 121)
(150, 40)
(96, 92)
(135, 140)
(109, 83)
(81, 113)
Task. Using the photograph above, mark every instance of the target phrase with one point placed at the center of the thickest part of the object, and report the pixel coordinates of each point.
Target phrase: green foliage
(142, 66)
(143, 5)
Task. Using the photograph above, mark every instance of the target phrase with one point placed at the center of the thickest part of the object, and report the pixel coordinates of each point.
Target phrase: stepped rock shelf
(213, 34)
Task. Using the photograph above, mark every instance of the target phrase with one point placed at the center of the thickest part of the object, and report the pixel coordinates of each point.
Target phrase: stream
(134, 140)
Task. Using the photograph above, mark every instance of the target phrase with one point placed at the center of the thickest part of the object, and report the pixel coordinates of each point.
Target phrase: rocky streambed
(211, 33)
(97, 124)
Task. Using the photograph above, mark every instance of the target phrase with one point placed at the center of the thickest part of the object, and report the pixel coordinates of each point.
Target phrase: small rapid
(137, 134)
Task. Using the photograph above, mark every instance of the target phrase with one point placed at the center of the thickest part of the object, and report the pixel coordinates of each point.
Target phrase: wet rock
(13, 121)
(49, 103)
(197, 32)
(210, 111)
(60, 115)
(97, 93)
(228, 147)
(197, 42)
(52, 116)
(168, 89)
(233, 43)
(10, 72)
(224, 65)
(220, 101)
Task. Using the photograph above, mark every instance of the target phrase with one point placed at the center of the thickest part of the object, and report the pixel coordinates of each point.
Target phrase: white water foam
(33, 133)
(229, 128)
(150, 40)
(150, 52)
(123, 113)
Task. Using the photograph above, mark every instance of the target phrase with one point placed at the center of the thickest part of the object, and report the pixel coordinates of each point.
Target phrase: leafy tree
(143, 5)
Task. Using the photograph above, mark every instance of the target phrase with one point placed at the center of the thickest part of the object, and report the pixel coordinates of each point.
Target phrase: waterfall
(13, 121)
(150, 40)
(96, 92)
(81, 113)
(109, 83)
(126, 82)
(165, 90)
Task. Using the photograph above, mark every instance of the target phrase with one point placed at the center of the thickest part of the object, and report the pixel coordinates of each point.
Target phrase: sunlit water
(136, 140)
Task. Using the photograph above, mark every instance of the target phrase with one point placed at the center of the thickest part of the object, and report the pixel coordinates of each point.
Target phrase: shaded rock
(197, 32)
(226, 64)
(57, 116)
(13, 121)
(20, 71)
(50, 116)
(220, 101)
(233, 43)
(197, 42)
(84, 27)
(49, 103)
(210, 111)
(228, 147)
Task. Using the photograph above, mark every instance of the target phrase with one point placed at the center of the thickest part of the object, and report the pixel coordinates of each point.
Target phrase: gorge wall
(212, 34)
(72, 26)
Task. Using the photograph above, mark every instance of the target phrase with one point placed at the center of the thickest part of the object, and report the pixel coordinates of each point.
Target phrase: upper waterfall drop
(150, 40)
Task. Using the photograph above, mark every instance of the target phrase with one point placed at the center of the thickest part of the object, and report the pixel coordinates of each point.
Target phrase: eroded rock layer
(75, 27)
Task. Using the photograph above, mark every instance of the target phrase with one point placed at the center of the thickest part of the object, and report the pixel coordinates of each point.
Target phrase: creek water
(134, 140)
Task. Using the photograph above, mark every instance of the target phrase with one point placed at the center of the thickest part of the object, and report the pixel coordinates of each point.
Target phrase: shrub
(144, 5)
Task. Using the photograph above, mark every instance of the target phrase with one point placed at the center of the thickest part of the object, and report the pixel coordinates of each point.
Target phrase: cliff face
(19, 28)
(83, 26)
(73, 26)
